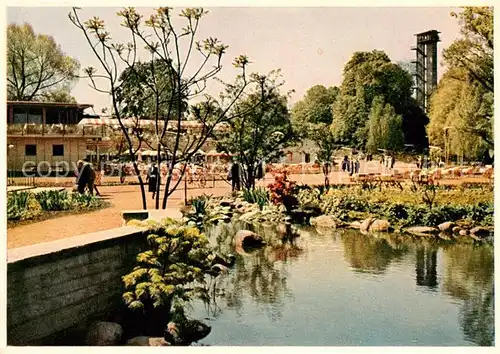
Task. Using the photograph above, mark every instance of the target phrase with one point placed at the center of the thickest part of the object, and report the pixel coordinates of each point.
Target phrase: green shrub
(17, 203)
(258, 196)
(54, 200)
(85, 201)
(170, 273)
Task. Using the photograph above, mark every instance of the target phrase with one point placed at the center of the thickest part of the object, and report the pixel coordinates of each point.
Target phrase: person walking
(152, 179)
(84, 178)
(235, 176)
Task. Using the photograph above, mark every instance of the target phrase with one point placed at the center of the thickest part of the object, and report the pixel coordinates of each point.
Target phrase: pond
(349, 289)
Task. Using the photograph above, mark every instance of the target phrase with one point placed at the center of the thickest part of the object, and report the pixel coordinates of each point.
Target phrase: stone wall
(57, 285)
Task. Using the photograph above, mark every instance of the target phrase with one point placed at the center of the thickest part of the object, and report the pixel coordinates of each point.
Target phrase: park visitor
(152, 179)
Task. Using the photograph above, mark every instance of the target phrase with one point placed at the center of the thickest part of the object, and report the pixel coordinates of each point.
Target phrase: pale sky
(310, 45)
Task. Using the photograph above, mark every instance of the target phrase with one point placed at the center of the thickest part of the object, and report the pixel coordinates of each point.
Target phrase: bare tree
(172, 48)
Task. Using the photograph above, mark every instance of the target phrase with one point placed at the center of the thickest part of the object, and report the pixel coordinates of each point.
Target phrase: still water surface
(348, 289)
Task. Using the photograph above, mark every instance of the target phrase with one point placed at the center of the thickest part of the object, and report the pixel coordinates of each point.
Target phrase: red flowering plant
(282, 191)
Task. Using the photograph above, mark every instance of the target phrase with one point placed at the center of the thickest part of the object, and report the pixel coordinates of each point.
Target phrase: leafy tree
(474, 51)
(37, 68)
(461, 115)
(312, 117)
(261, 127)
(142, 87)
(384, 127)
(461, 110)
(315, 107)
(366, 76)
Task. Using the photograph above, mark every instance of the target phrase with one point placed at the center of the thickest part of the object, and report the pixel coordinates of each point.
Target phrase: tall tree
(315, 107)
(384, 127)
(312, 117)
(261, 127)
(37, 68)
(461, 115)
(474, 51)
(142, 87)
(371, 74)
(461, 109)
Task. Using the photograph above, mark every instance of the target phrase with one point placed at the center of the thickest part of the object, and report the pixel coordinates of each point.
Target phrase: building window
(30, 150)
(20, 115)
(58, 150)
(307, 157)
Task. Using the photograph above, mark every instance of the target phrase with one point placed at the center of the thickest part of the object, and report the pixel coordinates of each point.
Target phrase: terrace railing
(55, 130)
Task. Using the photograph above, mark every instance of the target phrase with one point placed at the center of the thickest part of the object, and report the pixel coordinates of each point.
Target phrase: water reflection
(469, 276)
(461, 272)
(426, 266)
(260, 274)
(366, 253)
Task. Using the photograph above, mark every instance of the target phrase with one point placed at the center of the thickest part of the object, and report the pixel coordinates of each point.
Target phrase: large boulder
(379, 226)
(365, 224)
(446, 226)
(324, 222)
(248, 239)
(104, 334)
(422, 231)
(481, 231)
(148, 341)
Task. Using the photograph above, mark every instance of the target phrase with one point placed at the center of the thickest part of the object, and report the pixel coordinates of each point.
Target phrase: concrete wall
(74, 149)
(57, 285)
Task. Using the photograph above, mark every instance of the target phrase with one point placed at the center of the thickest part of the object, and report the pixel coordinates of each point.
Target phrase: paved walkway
(121, 198)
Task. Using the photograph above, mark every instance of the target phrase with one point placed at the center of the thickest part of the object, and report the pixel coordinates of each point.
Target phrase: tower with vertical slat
(425, 67)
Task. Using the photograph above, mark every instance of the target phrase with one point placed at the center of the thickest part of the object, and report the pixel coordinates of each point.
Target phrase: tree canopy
(461, 109)
(368, 75)
(474, 50)
(261, 127)
(37, 68)
(316, 106)
(145, 90)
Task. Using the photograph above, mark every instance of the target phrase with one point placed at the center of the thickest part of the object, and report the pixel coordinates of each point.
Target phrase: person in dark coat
(152, 179)
(345, 164)
(84, 178)
(235, 176)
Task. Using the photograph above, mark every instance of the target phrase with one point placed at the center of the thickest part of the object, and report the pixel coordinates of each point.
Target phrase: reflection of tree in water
(260, 274)
(426, 264)
(365, 253)
(469, 276)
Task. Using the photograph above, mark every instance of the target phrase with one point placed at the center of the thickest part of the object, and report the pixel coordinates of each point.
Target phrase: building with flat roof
(45, 136)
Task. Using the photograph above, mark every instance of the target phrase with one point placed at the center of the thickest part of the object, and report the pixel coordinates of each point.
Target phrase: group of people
(235, 174)
(351, 166)
(388, 161)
